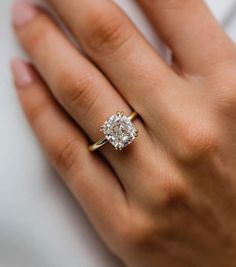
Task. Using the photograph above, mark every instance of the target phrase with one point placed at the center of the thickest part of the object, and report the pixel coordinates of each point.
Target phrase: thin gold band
(103, 140)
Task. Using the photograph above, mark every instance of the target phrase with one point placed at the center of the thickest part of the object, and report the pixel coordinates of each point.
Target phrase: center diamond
(119, 130)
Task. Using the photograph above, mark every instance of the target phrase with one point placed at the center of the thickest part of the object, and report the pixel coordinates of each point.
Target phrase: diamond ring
(118, 130)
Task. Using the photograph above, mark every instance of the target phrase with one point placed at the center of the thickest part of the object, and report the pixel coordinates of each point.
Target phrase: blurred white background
(40, 223)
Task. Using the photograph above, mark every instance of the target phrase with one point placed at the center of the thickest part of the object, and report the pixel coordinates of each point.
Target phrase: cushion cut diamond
(119, 130)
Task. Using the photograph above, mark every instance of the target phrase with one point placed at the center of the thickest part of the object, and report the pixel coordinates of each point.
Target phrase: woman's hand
(169, 199)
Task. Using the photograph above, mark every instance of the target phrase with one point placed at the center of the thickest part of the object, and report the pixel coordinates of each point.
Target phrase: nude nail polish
(21, 72)
(22, 13)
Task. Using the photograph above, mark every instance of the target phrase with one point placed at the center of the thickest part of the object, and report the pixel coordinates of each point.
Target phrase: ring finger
(82, 90)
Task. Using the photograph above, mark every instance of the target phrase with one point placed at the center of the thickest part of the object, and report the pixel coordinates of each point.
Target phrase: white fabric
(40, 223)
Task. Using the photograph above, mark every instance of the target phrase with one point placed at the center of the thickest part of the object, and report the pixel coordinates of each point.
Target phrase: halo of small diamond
(119, 130)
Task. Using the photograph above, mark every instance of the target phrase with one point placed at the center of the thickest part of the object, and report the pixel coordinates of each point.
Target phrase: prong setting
(136, 133)
(119, 130)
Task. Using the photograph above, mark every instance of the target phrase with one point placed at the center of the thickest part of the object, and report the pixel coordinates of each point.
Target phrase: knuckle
(171, 190)
(77, 92)
(35, 112)
(65, 155)
(198, 142)
(174, 192)
(107, 32)
(133, 235)
(136, 231)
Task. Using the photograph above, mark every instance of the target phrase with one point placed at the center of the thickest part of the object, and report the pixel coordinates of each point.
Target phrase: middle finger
(114, 43)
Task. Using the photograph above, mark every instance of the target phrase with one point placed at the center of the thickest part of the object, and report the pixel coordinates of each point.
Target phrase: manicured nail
(22, 13)
(22, 73)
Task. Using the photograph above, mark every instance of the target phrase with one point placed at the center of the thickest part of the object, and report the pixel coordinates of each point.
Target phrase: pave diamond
(119, 130)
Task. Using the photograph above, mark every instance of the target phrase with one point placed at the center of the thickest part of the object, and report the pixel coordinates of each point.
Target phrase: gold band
(103, 140)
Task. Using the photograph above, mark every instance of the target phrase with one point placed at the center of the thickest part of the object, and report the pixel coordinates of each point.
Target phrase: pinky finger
(88, 177)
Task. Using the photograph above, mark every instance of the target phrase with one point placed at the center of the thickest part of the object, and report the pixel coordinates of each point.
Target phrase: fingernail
(22, 13)
(22, 73)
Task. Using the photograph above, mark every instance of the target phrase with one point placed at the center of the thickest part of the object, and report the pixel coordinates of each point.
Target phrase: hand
(169, 199)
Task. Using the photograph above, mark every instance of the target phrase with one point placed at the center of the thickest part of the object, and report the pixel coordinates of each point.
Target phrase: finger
(113, 42)
(91, 181)
(191, 31)
(76, 83)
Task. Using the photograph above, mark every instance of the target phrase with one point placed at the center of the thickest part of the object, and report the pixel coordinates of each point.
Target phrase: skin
(169, 199)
